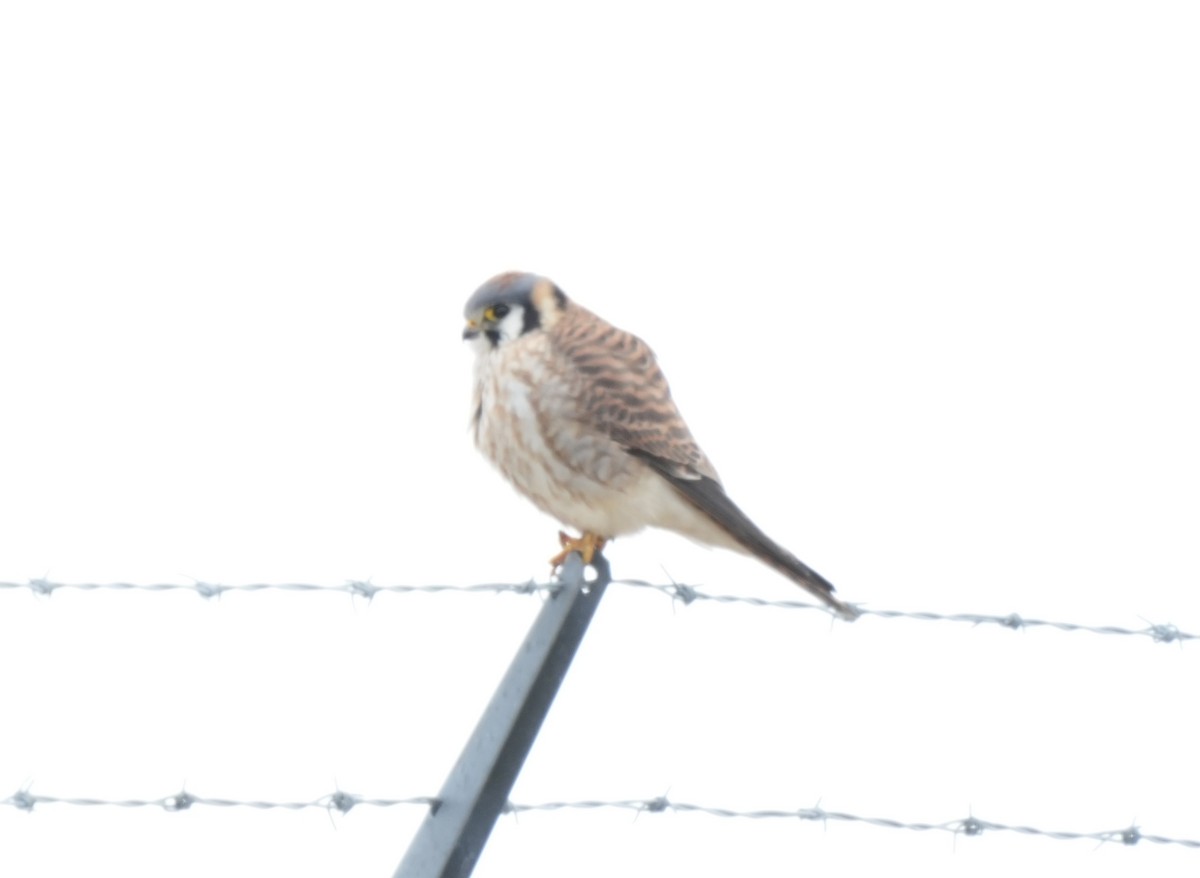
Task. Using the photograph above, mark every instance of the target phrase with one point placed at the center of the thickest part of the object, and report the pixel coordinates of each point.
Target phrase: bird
(578, 416)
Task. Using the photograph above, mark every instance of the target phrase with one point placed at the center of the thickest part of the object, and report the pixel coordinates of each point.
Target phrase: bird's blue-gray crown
(510, 304)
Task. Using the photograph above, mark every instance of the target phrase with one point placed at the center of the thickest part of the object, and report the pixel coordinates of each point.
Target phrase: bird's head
(509, 306)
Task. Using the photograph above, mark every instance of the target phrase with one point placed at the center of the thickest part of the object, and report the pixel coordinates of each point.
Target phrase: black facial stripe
(532, 319)
(493, 336)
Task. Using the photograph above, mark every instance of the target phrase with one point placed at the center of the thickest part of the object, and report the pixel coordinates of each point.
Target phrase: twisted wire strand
(343, 802)
(684, 594)
(24, 800)
(970, 825)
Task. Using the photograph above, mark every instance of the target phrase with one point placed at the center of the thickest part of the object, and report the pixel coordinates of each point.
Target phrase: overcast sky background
(924, 278)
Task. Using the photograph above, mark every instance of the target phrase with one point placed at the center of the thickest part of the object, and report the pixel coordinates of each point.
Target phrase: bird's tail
(775, 555)
(709, 497)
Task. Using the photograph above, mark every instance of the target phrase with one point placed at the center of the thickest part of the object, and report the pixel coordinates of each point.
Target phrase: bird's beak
(471, 330)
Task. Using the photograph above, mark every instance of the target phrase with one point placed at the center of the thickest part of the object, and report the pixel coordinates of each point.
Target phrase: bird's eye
(496, 312)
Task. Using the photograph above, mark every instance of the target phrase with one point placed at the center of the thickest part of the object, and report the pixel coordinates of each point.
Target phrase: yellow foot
(586, 545)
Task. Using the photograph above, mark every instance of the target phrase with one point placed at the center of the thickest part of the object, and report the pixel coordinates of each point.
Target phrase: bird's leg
(587, 545)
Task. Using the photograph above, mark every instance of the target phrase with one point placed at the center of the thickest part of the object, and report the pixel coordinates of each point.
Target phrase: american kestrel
(578, 416)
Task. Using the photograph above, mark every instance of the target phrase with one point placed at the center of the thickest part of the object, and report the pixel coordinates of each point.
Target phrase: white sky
(924, 278)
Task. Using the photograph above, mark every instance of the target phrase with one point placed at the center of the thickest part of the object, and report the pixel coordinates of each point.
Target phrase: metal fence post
(453, 834)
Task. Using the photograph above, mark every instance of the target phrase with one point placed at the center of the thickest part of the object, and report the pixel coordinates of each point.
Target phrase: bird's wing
(624, 394)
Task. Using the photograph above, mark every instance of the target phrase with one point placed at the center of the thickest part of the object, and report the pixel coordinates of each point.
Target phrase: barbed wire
(355, 588)
(970, 825)
(24, 800)
(685, 594)
(343, 802)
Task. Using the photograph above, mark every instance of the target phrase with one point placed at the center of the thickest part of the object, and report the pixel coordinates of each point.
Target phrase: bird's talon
(588, 545)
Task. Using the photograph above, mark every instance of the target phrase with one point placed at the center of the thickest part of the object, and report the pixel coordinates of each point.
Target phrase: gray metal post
(454, 832)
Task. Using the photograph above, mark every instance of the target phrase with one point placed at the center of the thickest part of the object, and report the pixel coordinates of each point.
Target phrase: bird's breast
(529, 426)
